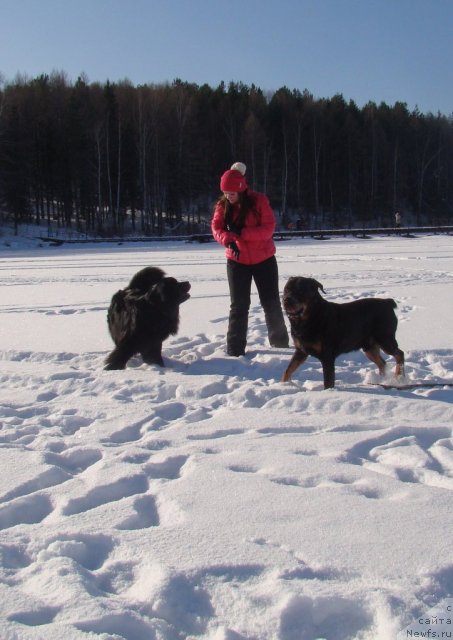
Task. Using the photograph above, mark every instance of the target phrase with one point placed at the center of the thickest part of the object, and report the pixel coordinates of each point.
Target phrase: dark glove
(235, 249)
(231, 226)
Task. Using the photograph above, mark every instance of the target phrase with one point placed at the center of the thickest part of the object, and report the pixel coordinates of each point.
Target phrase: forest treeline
(114, 158)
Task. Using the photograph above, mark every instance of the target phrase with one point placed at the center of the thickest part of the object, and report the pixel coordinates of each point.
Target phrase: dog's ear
(292, 280)
(319, 285)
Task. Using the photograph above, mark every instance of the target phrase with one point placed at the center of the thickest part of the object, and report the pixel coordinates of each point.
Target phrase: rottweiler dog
(327, 329)
(143, 315)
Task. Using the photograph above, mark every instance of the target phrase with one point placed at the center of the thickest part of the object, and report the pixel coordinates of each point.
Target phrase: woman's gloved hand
(235, 249)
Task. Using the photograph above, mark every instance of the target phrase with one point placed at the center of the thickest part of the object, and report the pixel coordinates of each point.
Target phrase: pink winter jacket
(255, 243)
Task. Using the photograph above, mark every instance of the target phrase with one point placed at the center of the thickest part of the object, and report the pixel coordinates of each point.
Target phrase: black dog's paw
(153, 358)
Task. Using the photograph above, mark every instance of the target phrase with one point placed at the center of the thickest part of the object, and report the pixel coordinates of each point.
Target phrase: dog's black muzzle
(293, 309)
(185, 295)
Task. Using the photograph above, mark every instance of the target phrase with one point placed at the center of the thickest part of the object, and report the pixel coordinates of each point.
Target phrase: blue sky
(379, 50)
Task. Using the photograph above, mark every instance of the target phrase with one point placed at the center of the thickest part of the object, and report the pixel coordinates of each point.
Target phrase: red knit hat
(233, 180)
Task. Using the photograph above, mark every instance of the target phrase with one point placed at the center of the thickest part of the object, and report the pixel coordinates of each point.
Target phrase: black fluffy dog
(143, 315)
(325, 329)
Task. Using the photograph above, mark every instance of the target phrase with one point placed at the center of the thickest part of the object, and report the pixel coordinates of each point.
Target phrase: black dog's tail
(121, 316)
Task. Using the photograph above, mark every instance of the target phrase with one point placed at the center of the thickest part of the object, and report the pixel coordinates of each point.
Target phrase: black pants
(265, 275)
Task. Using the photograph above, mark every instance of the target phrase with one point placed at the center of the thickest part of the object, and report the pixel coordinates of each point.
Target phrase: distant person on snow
(398, 220)
(244, 223)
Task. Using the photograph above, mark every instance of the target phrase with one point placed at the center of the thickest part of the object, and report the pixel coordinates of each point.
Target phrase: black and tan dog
(327, 329)
(143, 315)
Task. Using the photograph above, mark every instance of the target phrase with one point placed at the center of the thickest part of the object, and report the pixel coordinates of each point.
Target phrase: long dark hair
(246, 203)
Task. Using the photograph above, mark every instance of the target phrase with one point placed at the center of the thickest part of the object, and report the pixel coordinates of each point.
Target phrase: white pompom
(239, 166)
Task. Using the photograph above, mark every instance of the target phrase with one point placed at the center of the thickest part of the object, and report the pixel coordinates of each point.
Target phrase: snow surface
(208, 499)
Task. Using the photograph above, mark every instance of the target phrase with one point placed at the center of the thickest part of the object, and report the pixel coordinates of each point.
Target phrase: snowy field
(208, 499)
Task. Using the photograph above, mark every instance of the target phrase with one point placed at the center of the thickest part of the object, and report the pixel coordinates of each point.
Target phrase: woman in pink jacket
(244, 223)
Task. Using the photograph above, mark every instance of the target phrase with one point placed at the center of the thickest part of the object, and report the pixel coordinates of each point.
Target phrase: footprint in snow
(214, 435)
(104, 494)
(168, 469)
(162, 416)
(323, 617)
(353, 485)
(29, 510)
(145, 515)
(413, 455)
(75, 460)
(36, 617)
(90, 551)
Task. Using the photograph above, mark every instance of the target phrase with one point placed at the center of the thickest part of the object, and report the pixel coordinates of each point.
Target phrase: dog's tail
(121, 316)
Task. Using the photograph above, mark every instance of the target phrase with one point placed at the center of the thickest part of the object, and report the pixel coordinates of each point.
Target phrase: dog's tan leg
(374, 355)
(298, 358)
(399, 357)
(396, 352)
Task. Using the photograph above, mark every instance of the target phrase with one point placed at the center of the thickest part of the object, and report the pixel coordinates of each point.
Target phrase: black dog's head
(171, 292)
(299, 294)
(167, 290)
(146, 278)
